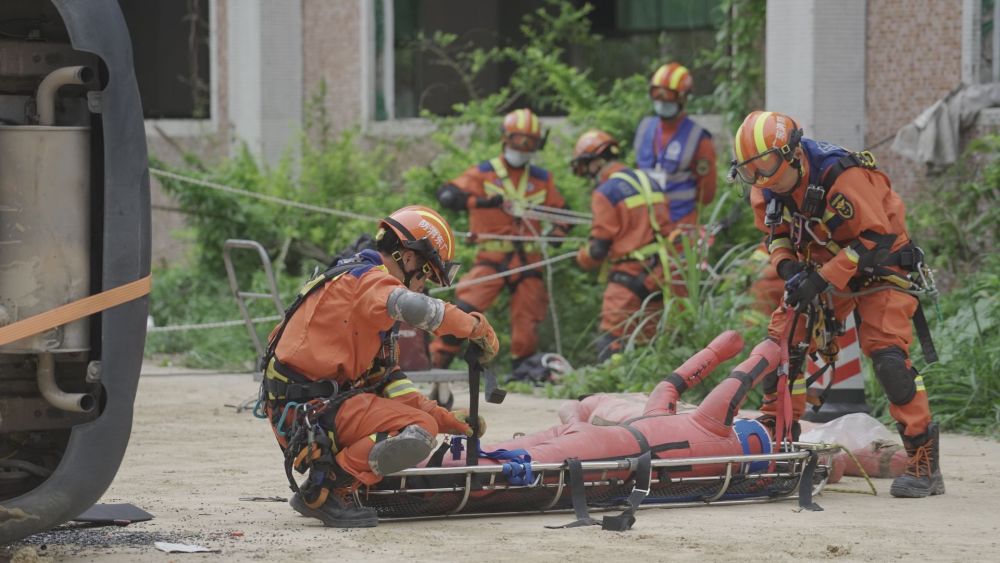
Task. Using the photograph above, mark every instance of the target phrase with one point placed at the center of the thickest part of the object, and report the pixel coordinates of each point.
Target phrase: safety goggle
(580, 165)
(760, 167)
(663, 94)
(523, 142)
(447, 274)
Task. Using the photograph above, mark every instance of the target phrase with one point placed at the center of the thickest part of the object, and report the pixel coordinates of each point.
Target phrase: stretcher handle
(472, 356)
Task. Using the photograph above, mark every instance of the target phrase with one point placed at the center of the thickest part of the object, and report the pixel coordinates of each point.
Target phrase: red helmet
(765, 147)
(522, 130)
(670, 82)
(426, 232)
(594, 143)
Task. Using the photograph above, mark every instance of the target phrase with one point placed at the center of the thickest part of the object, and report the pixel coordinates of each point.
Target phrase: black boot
(923, 471)
(338, 510)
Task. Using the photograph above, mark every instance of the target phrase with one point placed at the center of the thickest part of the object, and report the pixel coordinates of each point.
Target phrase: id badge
(658, 175)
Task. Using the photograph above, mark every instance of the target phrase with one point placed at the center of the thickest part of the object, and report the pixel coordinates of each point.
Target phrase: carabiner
(281, 421)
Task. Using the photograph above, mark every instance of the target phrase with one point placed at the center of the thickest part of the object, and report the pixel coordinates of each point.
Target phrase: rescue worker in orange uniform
(676, 152)
(629, 230)
(336, 399)
(493, 192)
(835, 225)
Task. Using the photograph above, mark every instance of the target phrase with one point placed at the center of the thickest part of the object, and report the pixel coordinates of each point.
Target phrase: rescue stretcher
(433, 492)
(662, 457)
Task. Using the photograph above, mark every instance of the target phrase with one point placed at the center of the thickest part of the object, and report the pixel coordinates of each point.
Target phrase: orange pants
(767, 290)
(360, 418)
(620, 303)
(885, 323)
(357, 422)
(527, 304)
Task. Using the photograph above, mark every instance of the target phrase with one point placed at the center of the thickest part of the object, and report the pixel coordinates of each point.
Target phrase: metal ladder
(243, 296)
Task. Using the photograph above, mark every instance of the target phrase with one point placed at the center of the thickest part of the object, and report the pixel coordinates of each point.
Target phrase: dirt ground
(191, 459)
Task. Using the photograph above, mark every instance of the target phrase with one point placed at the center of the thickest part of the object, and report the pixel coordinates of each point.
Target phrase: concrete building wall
(812, 66)
(334, 53)
(913, 58)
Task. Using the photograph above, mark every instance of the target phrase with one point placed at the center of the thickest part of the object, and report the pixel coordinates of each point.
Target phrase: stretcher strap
(621, 522)
(579, 495)
(806, 485)
(75, 310)
(924, 334)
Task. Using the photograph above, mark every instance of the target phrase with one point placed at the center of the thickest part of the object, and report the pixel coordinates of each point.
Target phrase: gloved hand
(462, 416)
(802, 288)
(482, 335)
(485, 202)
(788, 268)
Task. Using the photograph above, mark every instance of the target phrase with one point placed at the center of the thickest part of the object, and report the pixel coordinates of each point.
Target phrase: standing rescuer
(629, 230)
(675, 151)
(339, 406)
(834, 223)
(493, 192)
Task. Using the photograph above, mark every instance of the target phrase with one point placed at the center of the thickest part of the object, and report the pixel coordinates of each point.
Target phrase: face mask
(666, 110)
(517, 159)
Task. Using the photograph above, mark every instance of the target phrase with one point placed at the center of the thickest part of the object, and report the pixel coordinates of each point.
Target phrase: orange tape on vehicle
(76, 310)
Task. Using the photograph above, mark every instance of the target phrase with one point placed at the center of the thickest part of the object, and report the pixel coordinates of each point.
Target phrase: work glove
(487, 202)
(482, 335)
(787, 268)
(462, 416)
(802, 288)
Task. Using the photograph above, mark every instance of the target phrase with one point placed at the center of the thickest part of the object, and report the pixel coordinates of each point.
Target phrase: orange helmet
(426, 232)
(594, 143)
(670, 82)
(765, 147)
(522, 130)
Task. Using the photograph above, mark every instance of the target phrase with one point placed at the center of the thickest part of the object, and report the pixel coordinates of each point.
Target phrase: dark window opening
(170, 48)
(636, 35)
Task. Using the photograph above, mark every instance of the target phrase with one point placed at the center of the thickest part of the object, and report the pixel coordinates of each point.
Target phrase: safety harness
(302, 411)
(519, 197)
(650, 254)
(874, 265)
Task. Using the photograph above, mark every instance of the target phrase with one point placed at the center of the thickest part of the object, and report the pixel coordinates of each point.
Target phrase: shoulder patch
(538, 173)
(485, 166)
(842, 205)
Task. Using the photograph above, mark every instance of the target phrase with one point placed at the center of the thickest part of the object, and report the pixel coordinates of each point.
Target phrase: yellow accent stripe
(534, 123)
(399, 388)
(851, 254)
(677, 76)
(640, 199)
(799, 386)
(758, 132)
(441, 226)
(521, 119)
(783, 242)
(374, 437)
(919, 380)
(738, 145)
(658, 77)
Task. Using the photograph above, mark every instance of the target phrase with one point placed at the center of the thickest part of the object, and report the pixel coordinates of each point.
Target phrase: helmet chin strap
(408, 275)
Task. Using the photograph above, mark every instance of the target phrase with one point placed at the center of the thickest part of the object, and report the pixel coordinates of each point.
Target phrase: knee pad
(402, 451)
(896, 378)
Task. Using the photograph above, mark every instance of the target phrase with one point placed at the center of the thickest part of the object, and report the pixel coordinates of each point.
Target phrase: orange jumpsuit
(528, 303)
(621, 227)
(768, 289)
(339, 333)
(861, 209)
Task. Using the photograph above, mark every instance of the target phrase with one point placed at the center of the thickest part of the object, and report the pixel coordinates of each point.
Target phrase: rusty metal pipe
(45, 98)
(75, 402)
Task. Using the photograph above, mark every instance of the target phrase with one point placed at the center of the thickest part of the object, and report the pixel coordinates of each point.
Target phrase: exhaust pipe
(74, 402)
(45, 98)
